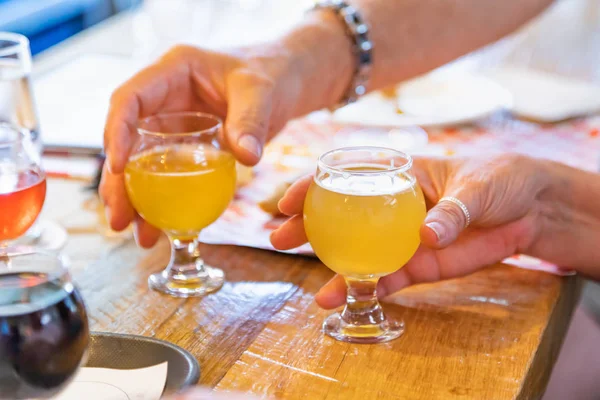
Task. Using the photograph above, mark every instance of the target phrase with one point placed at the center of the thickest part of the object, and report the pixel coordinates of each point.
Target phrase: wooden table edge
(538, 374)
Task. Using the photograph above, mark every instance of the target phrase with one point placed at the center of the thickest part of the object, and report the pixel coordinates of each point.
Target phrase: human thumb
(447, 219)
(249, 104)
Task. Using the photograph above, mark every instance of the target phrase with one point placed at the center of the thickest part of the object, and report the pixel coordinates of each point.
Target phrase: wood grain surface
(492, 335)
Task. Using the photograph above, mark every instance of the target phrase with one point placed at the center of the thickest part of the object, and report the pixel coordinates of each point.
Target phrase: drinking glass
(16, 95)
(362, 216)
(22, 184)
(180, 180)
(17, 107)
(44, 330)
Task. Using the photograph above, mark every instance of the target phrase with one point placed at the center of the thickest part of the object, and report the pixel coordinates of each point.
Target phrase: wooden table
(492, 335)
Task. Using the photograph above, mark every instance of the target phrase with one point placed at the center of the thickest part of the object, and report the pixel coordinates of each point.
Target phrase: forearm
(572, 218)
(410, 37)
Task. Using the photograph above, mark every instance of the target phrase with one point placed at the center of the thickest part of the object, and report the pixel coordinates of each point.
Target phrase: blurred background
(71, 40)
(48, 22)
(83, 49)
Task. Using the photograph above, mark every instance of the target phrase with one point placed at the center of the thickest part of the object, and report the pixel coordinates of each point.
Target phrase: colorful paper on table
(117, 384)
(295, 152)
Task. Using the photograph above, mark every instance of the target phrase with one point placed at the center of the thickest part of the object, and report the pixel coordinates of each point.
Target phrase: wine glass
(44, 330)
(22, 184)
(362, 216)
(17, 107)
(180, 180)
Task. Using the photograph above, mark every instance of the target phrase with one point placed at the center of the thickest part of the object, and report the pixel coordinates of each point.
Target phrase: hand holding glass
(362, 216)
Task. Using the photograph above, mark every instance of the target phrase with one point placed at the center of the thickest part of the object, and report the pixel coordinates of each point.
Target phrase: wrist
(273, 62)
(320, 61)
(571, 219)
(557, 180)
(311, 67)
(547, 174)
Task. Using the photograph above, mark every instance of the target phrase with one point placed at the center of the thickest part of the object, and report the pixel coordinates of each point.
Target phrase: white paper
(117, 384)
(73, 99)
(74, 167)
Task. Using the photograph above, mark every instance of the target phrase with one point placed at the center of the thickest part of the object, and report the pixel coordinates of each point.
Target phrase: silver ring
(461, 205)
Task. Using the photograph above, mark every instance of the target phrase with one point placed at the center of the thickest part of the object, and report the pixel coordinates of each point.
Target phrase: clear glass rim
(18, 137)
(324, 166)
(212, 130)
(21, 43)
(60, 269)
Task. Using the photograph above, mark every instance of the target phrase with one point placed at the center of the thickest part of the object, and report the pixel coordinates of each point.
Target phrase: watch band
(358, 31)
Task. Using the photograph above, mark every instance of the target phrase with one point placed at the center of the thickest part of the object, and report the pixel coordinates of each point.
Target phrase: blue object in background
(48, 22)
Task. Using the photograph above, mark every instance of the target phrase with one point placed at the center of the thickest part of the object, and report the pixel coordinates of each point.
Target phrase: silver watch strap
(358, 31)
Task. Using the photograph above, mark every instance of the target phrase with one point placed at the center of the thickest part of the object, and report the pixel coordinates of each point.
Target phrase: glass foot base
(388, 330)
(45, 235)
(209, 282)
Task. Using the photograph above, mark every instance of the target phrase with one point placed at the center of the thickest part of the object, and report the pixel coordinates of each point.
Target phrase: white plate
(429, 101)
(546, 97)
(409, 139)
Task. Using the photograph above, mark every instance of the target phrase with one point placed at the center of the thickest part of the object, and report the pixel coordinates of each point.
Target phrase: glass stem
(362, 306)
(185, 264)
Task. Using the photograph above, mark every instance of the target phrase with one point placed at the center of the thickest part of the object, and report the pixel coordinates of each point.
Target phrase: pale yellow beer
(362, 226)
(181, 189)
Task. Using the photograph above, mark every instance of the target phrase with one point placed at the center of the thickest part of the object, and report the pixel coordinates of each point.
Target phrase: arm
(410, 37)
(257, 90)
(570, 218)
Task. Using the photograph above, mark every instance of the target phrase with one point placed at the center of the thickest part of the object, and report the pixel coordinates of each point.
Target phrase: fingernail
(136, 236)
(251, 144)
(108, 163)
(381, 290)
(438, 229)
(107, 214)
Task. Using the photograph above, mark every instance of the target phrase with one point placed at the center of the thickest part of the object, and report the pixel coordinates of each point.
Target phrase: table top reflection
(492, 335)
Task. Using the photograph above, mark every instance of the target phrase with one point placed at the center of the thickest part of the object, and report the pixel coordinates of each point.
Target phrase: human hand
(252, 88)
(506, 203)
